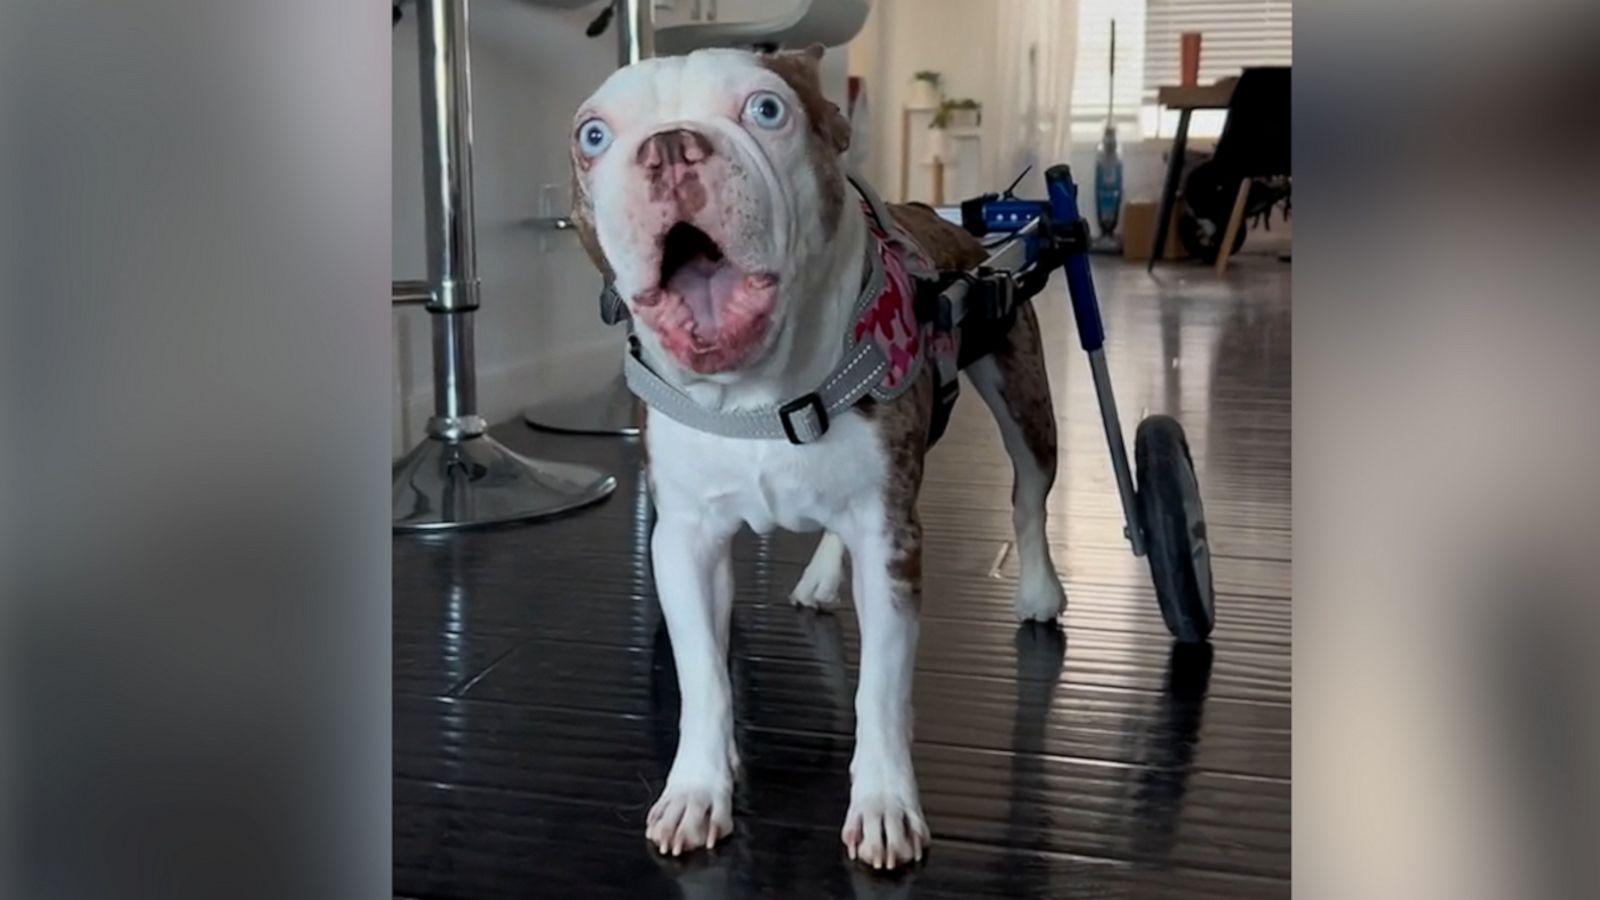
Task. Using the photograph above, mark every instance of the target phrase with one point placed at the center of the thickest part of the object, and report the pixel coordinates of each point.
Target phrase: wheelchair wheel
(1174, 528)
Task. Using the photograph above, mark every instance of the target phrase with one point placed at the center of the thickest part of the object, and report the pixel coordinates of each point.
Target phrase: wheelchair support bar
(999, 272)
(1080, 284)
(1091, 334)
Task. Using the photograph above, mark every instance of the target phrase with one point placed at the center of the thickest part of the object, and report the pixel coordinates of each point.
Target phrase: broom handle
(1111, 88)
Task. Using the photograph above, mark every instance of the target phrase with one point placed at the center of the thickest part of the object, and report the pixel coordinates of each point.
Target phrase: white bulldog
(709, 191)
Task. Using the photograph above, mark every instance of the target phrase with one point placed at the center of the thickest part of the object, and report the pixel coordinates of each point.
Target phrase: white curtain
(1035, 49)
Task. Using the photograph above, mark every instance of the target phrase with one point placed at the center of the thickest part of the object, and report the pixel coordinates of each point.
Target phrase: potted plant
(960, 113)
(926, 90)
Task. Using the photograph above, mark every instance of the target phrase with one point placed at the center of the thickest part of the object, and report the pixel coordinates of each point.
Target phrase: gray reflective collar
(806, 418)
(800, 421)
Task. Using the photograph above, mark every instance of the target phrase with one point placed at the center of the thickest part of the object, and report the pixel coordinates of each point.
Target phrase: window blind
(1091, 85)
(1235, 34)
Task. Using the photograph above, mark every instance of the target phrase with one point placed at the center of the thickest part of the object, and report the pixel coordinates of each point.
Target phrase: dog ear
(838, 130)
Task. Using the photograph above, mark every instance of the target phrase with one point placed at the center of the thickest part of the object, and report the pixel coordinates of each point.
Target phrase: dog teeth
(680, 317)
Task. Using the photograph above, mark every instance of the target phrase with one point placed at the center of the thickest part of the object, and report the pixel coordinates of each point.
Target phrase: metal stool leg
(612, 410)
(458, 476)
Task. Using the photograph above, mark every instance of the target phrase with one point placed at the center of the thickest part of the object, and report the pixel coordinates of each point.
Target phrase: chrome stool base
(444, 485)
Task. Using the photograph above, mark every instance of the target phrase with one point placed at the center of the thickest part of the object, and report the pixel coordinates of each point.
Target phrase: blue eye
(594, 136)
(766, 110)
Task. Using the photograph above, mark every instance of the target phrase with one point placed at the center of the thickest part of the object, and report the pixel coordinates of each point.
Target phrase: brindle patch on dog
(670, 159)
(950, 247)
(1025, 387)
(830, 130)
(903, 431)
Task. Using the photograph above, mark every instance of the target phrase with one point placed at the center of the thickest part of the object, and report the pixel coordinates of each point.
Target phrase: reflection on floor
(536, 704)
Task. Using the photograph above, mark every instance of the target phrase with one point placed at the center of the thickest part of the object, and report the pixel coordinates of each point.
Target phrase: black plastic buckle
(930, 306)
(1069, 238)
(799, 403)
(994, 294)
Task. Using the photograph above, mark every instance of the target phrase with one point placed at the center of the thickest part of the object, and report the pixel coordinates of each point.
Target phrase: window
(1091, 77)
(1235, 34)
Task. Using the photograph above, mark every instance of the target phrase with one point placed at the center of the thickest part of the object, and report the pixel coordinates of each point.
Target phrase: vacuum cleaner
(1108, 168)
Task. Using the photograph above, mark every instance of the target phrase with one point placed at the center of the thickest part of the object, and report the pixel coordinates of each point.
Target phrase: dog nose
(676, 147)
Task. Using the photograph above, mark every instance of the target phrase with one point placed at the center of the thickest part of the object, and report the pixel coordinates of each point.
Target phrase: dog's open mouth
(709, 313)
(685, 244)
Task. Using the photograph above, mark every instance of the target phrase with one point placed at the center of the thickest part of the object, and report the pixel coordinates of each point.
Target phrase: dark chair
(1249, 172)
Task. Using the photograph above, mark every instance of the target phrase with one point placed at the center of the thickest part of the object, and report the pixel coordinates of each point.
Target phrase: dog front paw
(691, 816)
(1039, 596)
(885, 829)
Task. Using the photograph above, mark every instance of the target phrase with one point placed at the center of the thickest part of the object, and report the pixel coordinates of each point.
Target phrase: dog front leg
(694, 579)
(884, 826)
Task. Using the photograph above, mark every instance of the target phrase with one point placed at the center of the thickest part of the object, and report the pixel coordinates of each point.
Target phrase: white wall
(955, 37)
(538, 332)
(958, 38)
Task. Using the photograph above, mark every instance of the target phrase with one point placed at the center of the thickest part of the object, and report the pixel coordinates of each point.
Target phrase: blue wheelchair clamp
(1165, 521)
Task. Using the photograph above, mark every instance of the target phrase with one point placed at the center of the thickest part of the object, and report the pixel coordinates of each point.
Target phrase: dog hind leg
(818, 587)
(1015, 386)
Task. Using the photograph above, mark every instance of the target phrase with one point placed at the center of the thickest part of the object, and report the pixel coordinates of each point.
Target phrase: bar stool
(458, 476)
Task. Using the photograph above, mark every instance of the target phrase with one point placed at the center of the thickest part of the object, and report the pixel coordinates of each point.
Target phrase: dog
(710, 192)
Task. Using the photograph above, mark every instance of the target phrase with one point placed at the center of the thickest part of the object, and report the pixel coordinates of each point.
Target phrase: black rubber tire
(1174, 528)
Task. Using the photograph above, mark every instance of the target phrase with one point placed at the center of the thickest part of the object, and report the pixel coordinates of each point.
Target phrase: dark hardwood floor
(536, 703)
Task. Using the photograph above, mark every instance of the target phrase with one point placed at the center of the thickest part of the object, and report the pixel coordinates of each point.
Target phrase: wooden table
(1186, 100)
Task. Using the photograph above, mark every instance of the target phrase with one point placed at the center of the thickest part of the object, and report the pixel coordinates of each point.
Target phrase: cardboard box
(1139, 229)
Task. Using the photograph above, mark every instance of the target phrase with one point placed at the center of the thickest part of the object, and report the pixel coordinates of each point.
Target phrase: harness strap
(911, 255)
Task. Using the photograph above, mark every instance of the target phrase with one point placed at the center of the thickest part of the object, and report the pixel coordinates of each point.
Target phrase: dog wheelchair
(1161, 507)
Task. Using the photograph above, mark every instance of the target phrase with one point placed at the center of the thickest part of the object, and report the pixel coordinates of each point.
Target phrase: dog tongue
(707, 289)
